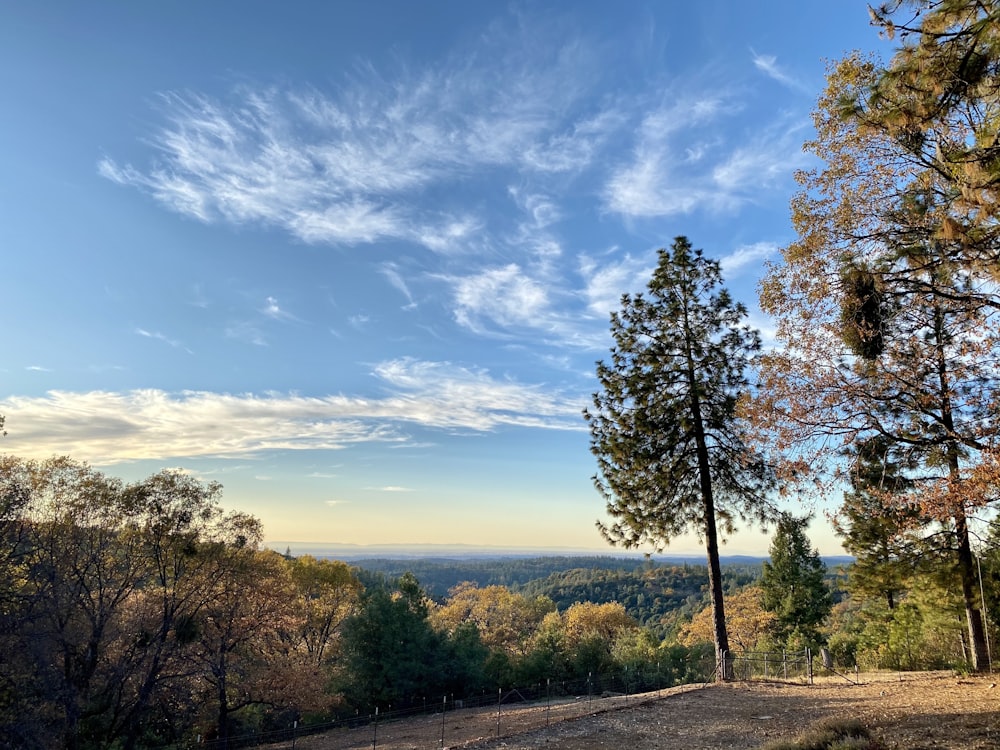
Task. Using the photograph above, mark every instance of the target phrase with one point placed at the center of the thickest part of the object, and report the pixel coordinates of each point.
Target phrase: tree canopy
(792, 586)
(887, 304)
(672, 454)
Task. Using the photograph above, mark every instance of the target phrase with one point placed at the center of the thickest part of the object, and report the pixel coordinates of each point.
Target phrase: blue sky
(355, 260)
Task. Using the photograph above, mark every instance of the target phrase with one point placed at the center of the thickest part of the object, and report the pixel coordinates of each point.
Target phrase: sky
(355, 260)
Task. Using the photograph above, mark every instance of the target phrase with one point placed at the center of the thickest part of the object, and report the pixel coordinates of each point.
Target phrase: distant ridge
(352, 552)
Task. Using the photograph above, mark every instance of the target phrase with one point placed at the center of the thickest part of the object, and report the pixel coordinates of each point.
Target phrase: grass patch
(831, 734)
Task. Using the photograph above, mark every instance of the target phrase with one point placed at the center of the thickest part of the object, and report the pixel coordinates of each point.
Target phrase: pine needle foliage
(672, 453)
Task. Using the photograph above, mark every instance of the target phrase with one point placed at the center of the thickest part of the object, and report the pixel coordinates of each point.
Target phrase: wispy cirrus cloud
(246, 332)
(499, 298)
(394, 276)
(765, 161)
(747, 255)
(685, 157)
(343, 166)
(665, 174)
(606, 280)
(272, 309)
(157, 336)
(106, 427)
(768, 65)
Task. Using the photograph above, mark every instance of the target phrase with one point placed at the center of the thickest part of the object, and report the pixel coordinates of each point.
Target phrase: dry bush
(831, 734)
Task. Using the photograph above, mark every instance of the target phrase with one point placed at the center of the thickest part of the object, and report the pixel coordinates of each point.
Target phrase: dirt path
(927, 711)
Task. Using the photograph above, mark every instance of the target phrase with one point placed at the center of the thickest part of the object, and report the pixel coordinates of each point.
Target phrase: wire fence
(444, 721)
(796, 666)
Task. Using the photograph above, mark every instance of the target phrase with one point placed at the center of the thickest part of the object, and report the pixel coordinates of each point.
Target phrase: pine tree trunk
(722, 662)
(966, 568)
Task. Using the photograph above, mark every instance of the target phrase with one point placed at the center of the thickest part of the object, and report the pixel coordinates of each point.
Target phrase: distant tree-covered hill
(659, 596)
(439, 575)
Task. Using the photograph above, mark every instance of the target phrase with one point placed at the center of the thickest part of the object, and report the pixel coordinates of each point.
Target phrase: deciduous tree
(329, 593)
(506, 621)
(887, 311)
(746, 619)
(112, 578)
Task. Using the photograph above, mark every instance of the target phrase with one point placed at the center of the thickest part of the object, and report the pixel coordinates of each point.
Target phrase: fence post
(784, 662)
(548, 700)
(499, 700)
(444, 707)
(809, 664)
(375, 730)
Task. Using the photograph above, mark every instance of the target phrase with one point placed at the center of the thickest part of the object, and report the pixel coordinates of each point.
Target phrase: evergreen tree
(793, 586)
(672, 454)
(392, 654)
(876, 524)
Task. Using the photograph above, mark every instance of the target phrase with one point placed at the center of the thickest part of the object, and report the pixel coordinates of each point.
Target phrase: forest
(143, 614)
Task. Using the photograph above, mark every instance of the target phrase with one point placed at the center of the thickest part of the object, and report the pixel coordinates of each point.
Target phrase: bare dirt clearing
(913, 711)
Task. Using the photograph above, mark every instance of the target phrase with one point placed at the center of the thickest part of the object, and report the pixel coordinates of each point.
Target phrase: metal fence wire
(788, 666)
(487, 714)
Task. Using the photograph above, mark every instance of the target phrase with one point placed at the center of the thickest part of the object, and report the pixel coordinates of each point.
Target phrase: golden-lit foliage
(132, 600)
(328, 593)
(605, 621)
(747, 620)
(506, 621)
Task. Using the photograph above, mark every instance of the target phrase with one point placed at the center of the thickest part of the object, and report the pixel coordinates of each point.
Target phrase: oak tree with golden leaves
(887, 303)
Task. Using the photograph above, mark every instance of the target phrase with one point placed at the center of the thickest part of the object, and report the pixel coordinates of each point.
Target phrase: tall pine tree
(876, 523)
(793, 585)
(672, 454)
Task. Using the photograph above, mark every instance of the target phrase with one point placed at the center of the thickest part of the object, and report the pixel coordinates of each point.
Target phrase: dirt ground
(925, 711)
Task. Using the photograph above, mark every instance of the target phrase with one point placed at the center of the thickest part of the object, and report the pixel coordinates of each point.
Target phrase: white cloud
(765, 162)
(275, 311)
(245, 332)
(605, 283)
(396, 280)
(747, 255)
(390, 488)
(442, 394)
(768, 65)
(157, 336)
(657, 180)
(105, 427)
(346, 166)
(37, 368)
(683, 159)
(502, 296)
